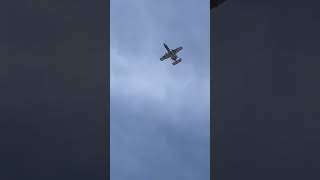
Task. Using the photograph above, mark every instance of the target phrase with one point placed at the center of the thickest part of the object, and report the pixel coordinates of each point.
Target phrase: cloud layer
(159, 112)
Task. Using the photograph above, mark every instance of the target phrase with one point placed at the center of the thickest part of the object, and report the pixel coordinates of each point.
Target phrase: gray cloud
(159, 112)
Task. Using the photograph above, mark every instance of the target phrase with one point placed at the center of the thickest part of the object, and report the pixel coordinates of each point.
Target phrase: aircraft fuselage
(173, 56)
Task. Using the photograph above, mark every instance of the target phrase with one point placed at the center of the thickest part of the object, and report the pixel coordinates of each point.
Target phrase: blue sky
(159, 112)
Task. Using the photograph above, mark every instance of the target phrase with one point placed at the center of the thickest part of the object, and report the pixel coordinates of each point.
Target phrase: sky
(54, 80)
(160, 116)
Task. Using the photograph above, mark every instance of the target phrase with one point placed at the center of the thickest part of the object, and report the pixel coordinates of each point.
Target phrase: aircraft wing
(166, 56)
(175, 51)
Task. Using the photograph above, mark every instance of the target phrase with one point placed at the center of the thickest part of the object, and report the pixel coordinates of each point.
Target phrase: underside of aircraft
(172, 53)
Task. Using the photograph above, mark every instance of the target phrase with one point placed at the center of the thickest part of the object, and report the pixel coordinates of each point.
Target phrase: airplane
(172, 54)
(215, 3)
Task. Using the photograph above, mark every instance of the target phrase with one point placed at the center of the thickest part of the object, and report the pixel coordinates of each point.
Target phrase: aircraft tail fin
(177, 61)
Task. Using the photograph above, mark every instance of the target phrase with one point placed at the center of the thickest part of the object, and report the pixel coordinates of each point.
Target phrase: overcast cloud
(159, 112)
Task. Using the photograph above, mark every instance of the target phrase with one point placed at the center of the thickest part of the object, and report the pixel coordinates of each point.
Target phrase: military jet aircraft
(215, 3)
(172, 54)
